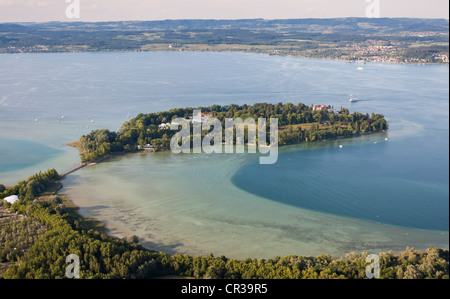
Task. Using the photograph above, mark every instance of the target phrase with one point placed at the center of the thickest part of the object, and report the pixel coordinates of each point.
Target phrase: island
(297, 123)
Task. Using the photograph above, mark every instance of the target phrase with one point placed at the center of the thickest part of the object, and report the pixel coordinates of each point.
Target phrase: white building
(12, 199)
(319, 108)
(201, 117)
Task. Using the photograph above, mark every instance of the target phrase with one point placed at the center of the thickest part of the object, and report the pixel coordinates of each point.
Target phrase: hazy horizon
(19, 11)
(160, 20)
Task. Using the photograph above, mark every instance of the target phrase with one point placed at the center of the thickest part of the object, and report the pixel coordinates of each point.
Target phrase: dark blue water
(381, 182)
(21, 154)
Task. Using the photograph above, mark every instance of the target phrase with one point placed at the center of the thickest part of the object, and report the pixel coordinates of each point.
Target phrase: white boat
(360, 68)
(353, 100)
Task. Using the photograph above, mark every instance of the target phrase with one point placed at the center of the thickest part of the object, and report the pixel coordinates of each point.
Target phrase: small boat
(386, 139)
(360, 68)
(341, 146)
(375, 142)
(353, 100)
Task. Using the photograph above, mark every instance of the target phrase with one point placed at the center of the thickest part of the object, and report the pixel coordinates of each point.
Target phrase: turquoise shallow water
(317, 199)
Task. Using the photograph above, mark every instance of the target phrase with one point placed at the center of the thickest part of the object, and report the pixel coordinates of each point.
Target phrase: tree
(412, 273)
(30, 195)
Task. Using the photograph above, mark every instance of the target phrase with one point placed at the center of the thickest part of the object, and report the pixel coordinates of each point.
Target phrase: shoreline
(115, 230)
(242, 51)
(123, 153)
(120, 230)
(111, 228)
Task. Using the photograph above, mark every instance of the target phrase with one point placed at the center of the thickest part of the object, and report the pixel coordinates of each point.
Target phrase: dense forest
(297, 123)
(57, 231)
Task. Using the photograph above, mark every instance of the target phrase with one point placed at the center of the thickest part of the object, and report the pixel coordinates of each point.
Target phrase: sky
(121, 10)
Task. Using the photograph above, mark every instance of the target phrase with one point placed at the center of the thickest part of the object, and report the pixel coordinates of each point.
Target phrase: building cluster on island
(197, 118)
(203, 118)
(320, 108)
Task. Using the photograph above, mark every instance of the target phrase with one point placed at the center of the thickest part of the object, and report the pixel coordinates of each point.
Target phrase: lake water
(318, 198)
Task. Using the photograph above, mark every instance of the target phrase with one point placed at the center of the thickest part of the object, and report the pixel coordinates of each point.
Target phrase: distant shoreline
(378, 40)
(234, 51)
